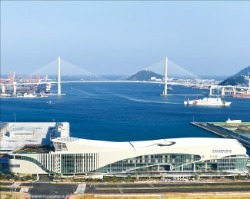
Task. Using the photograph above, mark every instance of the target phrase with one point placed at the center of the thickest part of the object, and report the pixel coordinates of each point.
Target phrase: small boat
(29, 95)
(170, 88)
(207, 102)
(49, 102)
(5, 95)
(43, 94)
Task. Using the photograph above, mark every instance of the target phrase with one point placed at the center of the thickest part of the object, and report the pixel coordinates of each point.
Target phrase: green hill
(144, 75)
(240, 78)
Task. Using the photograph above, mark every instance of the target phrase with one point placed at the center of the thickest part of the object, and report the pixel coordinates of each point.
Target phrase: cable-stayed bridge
(71, 72)
(164, 72)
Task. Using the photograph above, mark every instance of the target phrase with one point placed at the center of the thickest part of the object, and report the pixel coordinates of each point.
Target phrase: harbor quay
(230, 129)
(60, 154)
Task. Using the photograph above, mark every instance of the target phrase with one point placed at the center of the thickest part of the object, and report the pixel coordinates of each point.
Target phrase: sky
(117, 38)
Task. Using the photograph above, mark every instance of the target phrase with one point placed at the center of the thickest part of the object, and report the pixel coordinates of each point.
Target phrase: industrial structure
(235, 91)
(13, 86)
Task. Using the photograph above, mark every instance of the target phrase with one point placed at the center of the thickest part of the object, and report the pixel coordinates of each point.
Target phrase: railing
(67, 139)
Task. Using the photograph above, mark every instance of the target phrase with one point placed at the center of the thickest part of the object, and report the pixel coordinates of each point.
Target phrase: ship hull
(241, 95)
(207, 102)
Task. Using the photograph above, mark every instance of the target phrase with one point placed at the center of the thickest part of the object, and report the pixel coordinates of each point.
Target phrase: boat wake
(84, 92)
(144, 101)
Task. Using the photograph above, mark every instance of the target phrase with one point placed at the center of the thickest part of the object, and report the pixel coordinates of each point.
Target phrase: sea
(123, 111)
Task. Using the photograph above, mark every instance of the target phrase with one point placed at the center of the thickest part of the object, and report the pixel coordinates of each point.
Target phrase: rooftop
(33, 149)
(17, 134)
(218, 143)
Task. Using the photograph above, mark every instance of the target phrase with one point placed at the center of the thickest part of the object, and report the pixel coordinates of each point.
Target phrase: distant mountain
(240, 78)
(245, 71)
(144, 75)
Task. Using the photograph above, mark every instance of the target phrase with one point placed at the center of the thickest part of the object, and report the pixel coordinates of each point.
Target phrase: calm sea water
(123, 111)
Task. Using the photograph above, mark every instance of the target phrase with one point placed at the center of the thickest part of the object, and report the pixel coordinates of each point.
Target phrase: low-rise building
(14, 135)
(18, 134)
(73, 156)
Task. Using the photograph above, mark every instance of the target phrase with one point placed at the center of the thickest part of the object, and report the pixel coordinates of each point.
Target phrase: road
(166, 188)
(61, 190)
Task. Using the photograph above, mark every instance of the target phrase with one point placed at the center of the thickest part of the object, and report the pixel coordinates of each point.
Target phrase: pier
(220, 131)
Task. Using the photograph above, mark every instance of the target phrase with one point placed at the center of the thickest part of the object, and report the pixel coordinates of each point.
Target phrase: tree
(196, 176)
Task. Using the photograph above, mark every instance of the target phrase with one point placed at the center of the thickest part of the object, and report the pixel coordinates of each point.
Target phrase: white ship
(29, 95)
(5, 95)
(233, 121)
(207, 102)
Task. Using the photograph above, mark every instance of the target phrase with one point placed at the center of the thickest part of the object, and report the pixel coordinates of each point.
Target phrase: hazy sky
(206, 38)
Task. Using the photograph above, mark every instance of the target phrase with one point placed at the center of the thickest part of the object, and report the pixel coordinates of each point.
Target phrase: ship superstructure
(207, 102)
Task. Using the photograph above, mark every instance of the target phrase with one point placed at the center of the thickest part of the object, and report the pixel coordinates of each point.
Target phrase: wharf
(220, 131)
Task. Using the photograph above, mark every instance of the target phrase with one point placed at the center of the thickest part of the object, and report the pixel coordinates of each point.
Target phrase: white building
(18, 134)
(186, 155)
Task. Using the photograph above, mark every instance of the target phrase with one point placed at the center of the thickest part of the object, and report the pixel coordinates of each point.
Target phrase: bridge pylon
(59, 90)
(165, 91)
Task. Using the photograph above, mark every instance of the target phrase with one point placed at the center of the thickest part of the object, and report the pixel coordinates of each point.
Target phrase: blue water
(123, 111)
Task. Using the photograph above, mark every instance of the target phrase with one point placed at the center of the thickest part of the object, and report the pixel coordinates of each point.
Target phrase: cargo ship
(242, 95)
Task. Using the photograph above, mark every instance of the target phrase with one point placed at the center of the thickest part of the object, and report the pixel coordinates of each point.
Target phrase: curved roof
(77, 144)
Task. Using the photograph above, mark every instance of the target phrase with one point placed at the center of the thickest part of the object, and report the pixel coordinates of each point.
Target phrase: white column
(211, 91)
(165, 92)
(223, 91)
(234, 90)
(59, 77)
(3, 88)
(14, 88)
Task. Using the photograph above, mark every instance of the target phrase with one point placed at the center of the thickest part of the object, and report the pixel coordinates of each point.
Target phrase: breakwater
(220, 131)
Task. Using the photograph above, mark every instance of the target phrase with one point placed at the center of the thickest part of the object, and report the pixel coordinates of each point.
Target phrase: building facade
(73, 156)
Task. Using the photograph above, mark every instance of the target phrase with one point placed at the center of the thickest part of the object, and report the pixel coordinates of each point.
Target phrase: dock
(220, 131)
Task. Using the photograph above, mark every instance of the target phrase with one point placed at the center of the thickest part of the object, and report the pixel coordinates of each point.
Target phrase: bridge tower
(223, 91)
(59, 91)
(14, 87)
(211, 90)
(3, 88)
(165, 91)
